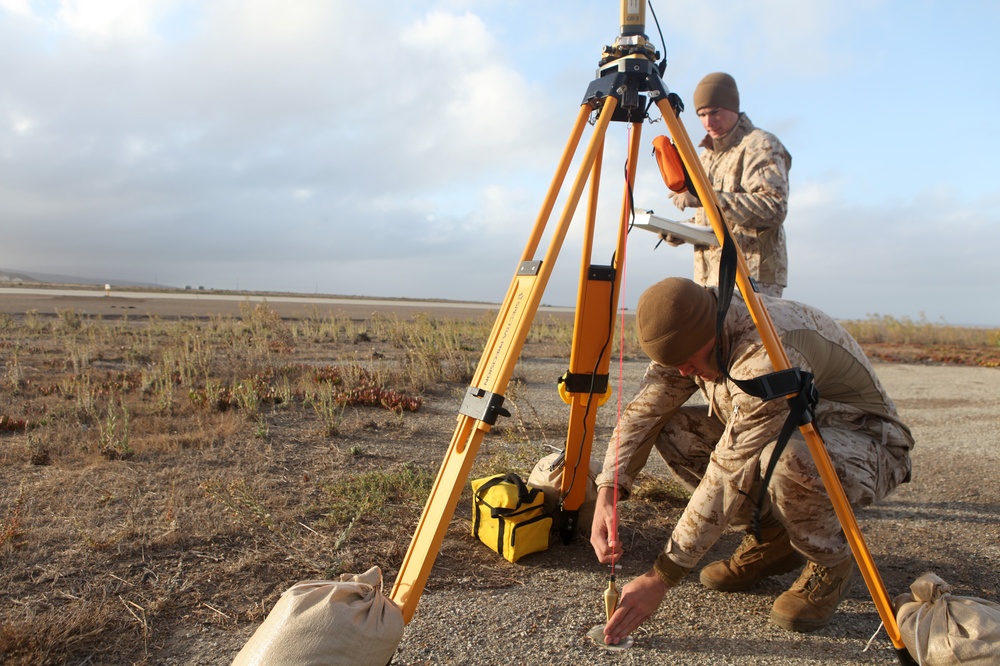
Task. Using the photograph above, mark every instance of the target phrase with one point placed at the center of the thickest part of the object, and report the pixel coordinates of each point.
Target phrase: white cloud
(137, 149)
(112, 19)
(441, 33)
(815, 194)
(20, 123)
(18, 7)
(898, 258)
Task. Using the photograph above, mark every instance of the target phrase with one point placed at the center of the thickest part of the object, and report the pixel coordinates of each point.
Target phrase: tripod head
(632, 41)
(628, 68)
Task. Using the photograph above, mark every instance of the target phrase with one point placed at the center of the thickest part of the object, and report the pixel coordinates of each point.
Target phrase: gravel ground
(945, 520)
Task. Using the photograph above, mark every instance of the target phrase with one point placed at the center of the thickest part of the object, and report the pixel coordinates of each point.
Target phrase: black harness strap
(781, 383)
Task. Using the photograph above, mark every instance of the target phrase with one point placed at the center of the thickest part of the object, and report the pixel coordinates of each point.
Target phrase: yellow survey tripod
(626, 76)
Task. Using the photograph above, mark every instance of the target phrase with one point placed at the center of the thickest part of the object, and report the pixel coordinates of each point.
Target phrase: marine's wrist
(669, 572)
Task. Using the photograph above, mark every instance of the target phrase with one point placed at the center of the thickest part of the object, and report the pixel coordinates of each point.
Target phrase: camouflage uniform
(748, 169)
(721, 452)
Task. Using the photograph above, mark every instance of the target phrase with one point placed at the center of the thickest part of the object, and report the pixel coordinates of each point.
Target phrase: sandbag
(322, 622)
(546, 475)
(939, 628)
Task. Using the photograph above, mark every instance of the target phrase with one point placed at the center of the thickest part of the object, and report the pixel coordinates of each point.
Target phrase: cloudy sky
(404, 148)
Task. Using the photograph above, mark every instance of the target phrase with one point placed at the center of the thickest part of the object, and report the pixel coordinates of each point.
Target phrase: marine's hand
(685, 200)
(671, 239)
(639, 599)
(602, 537)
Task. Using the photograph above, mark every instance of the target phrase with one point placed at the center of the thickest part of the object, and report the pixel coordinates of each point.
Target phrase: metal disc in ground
(597, 635)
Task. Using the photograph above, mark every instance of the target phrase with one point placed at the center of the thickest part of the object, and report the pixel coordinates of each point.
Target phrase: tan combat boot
(811, 601)
(754, 561)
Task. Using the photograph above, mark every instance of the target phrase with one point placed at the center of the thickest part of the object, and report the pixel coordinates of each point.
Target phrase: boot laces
(749, 541)
(748, 548)
(820, 575)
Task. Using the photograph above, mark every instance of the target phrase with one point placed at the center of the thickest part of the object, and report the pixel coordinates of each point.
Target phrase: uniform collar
(742, 127)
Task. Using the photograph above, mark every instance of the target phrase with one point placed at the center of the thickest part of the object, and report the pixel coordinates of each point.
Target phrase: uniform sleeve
(732, 468)
(763, 201)
(662, 392)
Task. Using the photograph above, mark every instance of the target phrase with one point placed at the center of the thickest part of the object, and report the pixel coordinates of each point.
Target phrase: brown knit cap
(717, 90)
(675, 318)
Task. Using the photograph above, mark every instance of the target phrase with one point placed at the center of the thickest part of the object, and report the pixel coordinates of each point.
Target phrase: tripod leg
(779, 359)
(587, 382)
(484, 399)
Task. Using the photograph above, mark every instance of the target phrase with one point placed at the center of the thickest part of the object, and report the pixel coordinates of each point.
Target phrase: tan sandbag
(322, 622)
(546, 475)
(939, 628)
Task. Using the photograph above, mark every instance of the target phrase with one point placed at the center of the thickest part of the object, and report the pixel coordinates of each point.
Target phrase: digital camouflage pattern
(748, 169)
(719, 452)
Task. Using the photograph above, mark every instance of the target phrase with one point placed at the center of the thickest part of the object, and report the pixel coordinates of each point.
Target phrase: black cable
(662, 66)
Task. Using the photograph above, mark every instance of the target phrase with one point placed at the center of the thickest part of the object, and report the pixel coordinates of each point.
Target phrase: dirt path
(96, 303)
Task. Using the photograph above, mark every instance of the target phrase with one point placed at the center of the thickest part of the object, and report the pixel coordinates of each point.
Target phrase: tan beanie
(717, 90)
(675, 318)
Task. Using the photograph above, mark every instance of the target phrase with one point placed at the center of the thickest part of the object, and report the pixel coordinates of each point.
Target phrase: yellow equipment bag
(509, 516)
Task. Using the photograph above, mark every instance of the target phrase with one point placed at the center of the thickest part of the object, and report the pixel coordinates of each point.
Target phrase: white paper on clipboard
(692, 233)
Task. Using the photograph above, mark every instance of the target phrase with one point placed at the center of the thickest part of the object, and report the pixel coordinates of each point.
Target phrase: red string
(621, 366)
(621, 375)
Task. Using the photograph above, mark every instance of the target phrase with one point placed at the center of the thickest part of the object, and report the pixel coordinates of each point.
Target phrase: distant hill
(8, 276)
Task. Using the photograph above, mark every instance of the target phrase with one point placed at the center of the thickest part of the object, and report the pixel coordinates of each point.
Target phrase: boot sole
(799, 626)
(776, 569)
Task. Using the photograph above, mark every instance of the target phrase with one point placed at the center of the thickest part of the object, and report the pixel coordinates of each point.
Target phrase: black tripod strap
(781, 383)
(800, 412)
(727, 283)
(767, 386)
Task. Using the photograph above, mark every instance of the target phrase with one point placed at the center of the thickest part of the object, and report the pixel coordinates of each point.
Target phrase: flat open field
(169, 466)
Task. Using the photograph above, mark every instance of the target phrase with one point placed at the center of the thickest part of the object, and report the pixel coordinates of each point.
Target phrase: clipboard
(691, 233)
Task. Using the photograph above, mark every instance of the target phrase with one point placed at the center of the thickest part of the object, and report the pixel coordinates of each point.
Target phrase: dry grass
(905, 340)
(163, 477)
